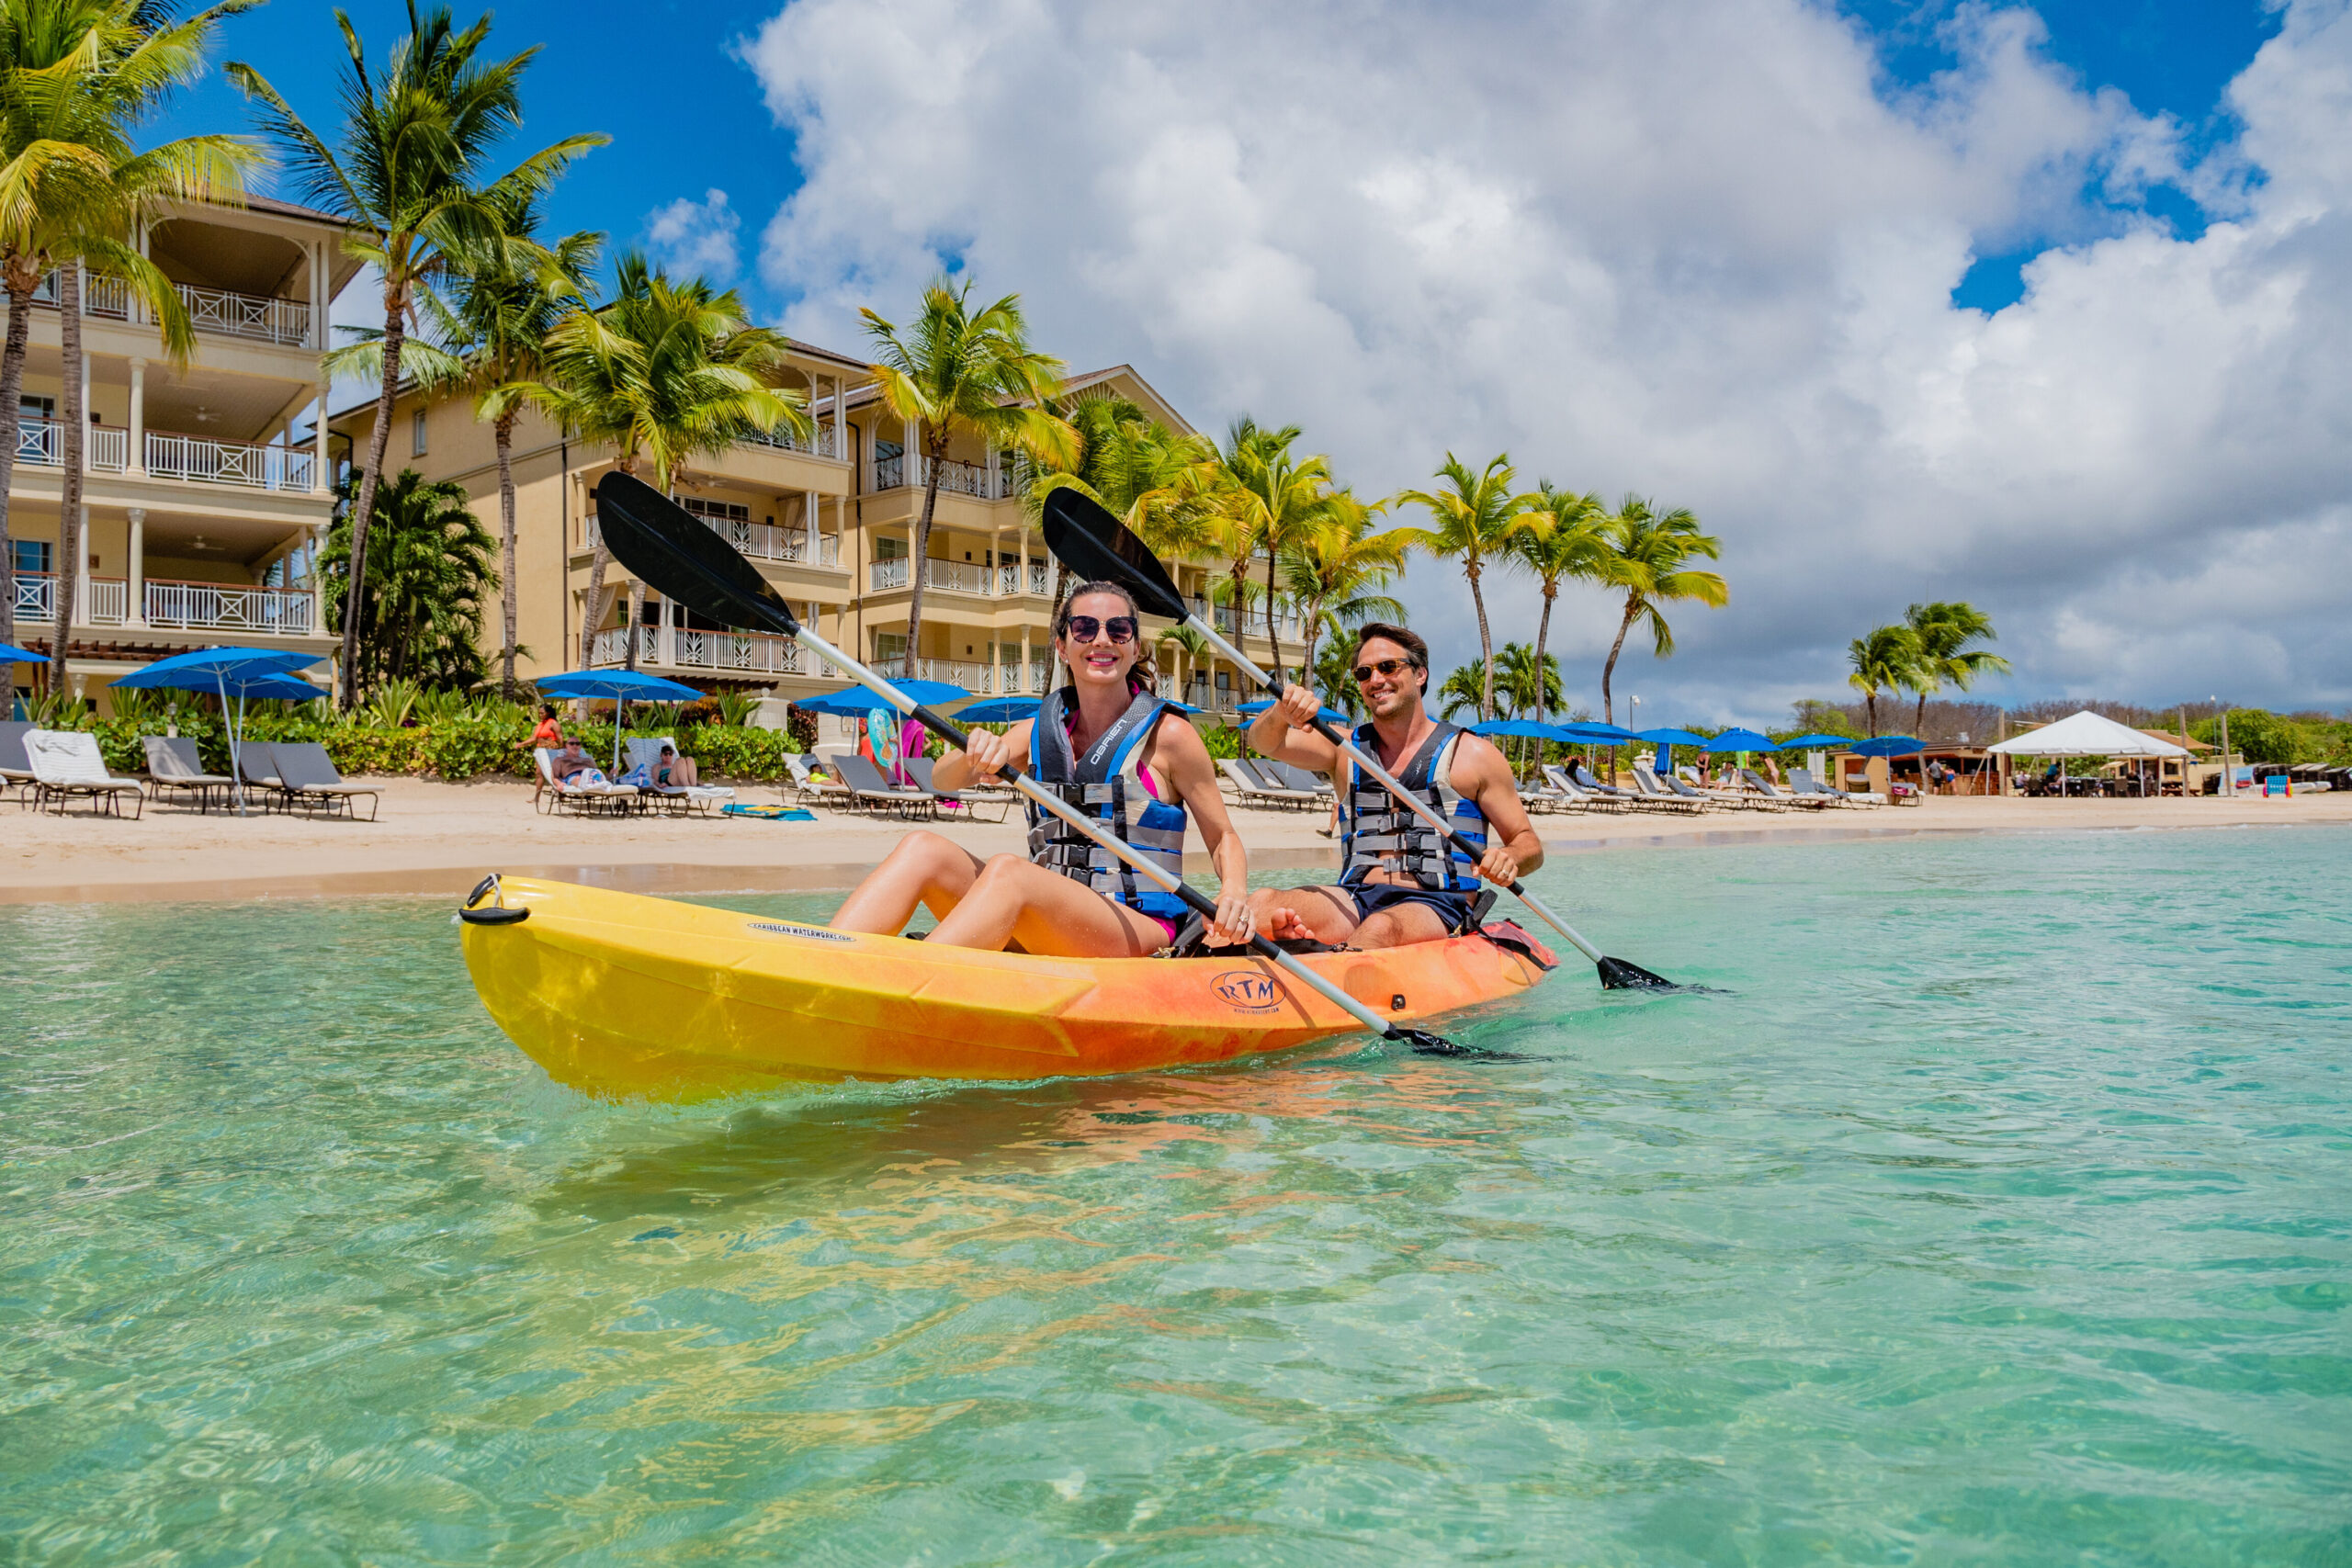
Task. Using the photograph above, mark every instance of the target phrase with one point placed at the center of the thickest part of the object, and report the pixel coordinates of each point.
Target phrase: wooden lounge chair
(968, 799)
(868, 788)
(308, 777)
(173, 765)
(67, 763)
(15, 769)
(553, 794)
(688, 798)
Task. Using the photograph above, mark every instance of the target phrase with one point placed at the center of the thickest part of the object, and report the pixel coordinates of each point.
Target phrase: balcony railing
(826, 443)
(109, 602)
(42, 441)
(955, 475)
(37, 595)
(1008, 578)
(227, 607)
(752, 652)
(955, 577)
(228, 462)
(261, 316)
(764, 541)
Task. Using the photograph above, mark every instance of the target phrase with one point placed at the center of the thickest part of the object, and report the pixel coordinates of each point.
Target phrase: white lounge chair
(1683, 783)
(1662, 798)
(646, 754)
(814, 781)
(1575, 793)
(967, 798)
(66, 762)
(1763, 786)
(1252, 786)
(1804, 786)
(582, 797)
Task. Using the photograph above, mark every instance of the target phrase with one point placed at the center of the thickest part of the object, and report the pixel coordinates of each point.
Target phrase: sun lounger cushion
(67, 759)
(14, 764)
(173, 758)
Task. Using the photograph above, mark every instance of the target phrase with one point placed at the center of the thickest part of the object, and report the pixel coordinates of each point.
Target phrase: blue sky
(2048, 307)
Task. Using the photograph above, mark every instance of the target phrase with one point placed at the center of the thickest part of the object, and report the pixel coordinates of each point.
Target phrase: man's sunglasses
(1086, 628)
(1388, 667)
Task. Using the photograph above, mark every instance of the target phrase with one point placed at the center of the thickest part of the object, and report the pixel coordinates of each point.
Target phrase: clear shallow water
(2003, 1214)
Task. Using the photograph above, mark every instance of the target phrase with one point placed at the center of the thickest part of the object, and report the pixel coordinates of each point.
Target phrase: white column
(993, 491)
(808, 526)
(910, 468)
(318, 589)
(135, 607)
(135, 461)
(841, 417)
(319, 485)
(666, 646)
(320, 273)
(82, 571)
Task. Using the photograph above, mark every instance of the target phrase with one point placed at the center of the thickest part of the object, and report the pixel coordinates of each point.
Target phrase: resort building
(829, 522)
(208, 488)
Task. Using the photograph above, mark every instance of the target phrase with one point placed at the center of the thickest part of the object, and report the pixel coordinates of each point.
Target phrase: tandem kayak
(622, 994)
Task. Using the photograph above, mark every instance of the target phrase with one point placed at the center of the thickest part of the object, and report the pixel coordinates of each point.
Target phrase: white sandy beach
(441, 837)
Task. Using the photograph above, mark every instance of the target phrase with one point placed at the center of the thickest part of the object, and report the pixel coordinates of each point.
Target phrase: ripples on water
(2000, 1217)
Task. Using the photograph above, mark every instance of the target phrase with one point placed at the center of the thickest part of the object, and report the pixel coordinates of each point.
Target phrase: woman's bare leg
(924, 869)
(1047, 913)
(1290, 914)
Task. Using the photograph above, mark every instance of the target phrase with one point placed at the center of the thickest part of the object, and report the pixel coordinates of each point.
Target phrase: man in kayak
(1118, 752)
(1399, 882)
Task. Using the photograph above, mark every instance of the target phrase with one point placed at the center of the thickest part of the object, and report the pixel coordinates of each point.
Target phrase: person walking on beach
(1110, 747)
(1399, 881)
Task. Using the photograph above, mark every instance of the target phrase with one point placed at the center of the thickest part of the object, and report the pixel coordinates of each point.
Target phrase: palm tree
(1529, 681)
(1944, 630)
(408, 180)
(420, 612)
(1884, 660)
(957, 372)
(499, 324)
(1647, 557)
(76, 78)
(1562, 535)
(1268, 499)
(662, 372)
(1335, 568)
(1475, 519)
(1469, 686)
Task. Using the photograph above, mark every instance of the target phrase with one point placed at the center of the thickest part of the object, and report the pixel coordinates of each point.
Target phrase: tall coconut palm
(662, 372)
(1647, 559)
(1475, 515)
(1528, 682)
(77, 78)
(1337, 568)
(1945, 629)
(956, 371)
(1884, 660)
(1562, 535)
(1269, 497)
(408, 176)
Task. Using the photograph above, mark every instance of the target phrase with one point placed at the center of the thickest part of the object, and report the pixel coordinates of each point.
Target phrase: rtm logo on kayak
(1248, 990)
(814, 933)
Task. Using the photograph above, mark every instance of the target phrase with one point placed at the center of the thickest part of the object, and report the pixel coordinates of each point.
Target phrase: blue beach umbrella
(1329, 715)
(1742, 740)
(852, 702)
(11, 654)
(616, 686)
(1670, 737)
(1590, 734)
(1817, 743)
(243, 672)
(1887, 745)
(999, 710)
(1515, 729)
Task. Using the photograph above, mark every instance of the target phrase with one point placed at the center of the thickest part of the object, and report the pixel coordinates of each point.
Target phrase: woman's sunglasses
(1086, 628)
(1388, 667)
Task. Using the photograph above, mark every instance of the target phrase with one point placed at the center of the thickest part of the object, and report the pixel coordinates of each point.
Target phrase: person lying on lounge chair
(574, 767)
(673, 772)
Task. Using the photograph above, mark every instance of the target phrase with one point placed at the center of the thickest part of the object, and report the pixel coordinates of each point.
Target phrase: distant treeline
(2257, 735)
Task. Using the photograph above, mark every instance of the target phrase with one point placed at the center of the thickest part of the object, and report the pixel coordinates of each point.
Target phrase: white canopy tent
(2086, 734)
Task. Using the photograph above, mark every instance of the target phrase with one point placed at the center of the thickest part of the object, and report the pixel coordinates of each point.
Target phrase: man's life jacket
(1378, 833)
(1106, 785)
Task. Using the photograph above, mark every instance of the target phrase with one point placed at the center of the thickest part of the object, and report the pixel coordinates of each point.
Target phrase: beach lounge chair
(15, 769)
(173, 765)
(1575, 794)
(1804, 786)
(257, 765)
(1593, 787)
(968, 799)
(553, 794)
(1763, 786)
(1686, 781)
(1689, 804)
(646, 754)
(868, 788)
(307, 776)
(1253, 787)
(1285, 774)
(66, 762)
(813, 781)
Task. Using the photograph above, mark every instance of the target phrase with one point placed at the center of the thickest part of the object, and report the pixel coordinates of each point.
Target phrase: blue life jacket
(1378, 833)
(1106, 783)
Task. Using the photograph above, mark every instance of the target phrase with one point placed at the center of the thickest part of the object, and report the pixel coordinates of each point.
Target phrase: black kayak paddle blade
(1087, 540)
(677, 556)
(1617, 974)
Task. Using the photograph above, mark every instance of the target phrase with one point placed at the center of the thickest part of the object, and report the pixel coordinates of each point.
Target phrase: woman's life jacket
(1106, 783)
(1378, 833)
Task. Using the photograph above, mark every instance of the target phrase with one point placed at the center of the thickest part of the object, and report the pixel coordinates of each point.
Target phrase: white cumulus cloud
(690, 237)
(1699, 252)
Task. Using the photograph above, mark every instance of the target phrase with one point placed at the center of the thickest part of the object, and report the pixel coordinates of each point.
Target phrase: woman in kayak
(1122, 755)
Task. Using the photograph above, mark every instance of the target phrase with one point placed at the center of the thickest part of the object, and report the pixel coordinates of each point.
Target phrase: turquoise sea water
(2002, 1213)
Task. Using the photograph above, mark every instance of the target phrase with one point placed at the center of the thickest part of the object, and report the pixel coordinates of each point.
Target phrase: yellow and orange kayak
(622, 994)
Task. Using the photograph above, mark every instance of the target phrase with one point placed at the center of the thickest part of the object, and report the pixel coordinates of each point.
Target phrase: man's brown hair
(1403, 636)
